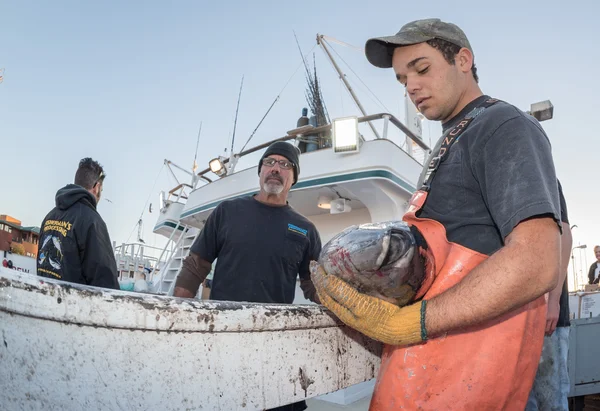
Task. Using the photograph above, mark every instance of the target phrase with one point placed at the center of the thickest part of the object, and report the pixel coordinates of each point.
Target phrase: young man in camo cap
(488, 209)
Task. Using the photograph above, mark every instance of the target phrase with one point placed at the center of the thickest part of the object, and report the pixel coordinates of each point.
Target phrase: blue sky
(129, 82)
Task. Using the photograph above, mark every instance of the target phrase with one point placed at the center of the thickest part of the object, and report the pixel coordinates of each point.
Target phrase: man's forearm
(193, 271)
(566, 242)
(309, 291)
(554, 295)
(521, 271)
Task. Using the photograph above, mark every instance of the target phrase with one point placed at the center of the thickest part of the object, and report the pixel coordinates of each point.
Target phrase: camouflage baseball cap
(379, 50)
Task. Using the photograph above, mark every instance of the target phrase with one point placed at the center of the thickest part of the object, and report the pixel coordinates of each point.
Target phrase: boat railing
(309, 130)
(176, 194)
(134, 255)
(181, 193)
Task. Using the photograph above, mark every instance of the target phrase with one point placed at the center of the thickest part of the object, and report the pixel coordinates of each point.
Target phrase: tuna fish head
(379, 259)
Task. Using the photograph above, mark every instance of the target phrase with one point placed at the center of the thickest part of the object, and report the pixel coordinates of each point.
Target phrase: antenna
(225, 154)
(236, 114)
(195, 166)
(301, 55)
(313, 94)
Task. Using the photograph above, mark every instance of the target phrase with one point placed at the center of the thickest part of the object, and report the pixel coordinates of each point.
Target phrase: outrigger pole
(321, 42)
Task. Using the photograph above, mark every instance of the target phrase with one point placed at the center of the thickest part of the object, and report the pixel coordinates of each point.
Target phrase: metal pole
(170, 163)
(407, 121)
(585, 263)
(386, 122)
(580, 266)
(575, 282)
(321, 42)
(236, 115)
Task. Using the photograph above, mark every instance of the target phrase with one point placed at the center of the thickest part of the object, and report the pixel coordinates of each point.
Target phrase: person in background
(594, 273)
(74, 243)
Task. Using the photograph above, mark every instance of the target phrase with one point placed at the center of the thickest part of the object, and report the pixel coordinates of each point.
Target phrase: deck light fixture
(345, 135)
(218, 167)
(543, 110)
(324, 202)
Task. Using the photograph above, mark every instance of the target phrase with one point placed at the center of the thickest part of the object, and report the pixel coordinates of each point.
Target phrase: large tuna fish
(379, 259)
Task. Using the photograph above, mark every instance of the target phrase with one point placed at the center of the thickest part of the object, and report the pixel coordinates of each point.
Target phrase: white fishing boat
(68, 346)
(71, 347)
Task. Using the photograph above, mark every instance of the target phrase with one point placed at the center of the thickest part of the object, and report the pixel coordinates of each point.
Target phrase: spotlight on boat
(324, 202)
(543, 110)
(218, 167)
(345, 135)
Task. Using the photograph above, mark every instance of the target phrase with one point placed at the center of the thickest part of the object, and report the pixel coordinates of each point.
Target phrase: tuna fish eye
(399, 244)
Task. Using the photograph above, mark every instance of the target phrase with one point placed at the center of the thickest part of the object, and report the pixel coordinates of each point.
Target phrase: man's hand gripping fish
(367, 273)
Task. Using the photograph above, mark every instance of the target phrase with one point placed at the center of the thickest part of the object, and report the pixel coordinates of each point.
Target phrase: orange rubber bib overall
(487, 367)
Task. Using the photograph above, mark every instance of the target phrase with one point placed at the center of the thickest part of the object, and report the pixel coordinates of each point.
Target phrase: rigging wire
(277, 98)
(341, 83)
(146, 204)
(333, 39)
(358, 77)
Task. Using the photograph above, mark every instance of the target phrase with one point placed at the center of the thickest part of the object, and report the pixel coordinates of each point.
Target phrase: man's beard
(273, 186)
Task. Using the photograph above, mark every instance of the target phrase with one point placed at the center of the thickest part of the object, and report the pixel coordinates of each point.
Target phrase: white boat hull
(70, 347)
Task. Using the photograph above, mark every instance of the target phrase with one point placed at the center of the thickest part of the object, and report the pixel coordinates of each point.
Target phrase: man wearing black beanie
(286, 150)
(262, 244)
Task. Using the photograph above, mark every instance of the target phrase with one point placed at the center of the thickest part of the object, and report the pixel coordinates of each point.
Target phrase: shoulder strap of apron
(449, 139)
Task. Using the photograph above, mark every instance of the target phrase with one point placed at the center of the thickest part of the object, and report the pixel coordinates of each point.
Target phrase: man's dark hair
(89, 173)
(449, 51)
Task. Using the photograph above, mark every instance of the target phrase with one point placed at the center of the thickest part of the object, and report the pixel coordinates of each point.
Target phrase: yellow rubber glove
(371, 316)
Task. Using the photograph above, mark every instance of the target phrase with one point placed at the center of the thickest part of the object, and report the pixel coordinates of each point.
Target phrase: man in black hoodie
(74, 244)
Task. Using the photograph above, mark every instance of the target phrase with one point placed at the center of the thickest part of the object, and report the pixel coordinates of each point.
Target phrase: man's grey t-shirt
(261, 250)
(564, 313)
(497, 174)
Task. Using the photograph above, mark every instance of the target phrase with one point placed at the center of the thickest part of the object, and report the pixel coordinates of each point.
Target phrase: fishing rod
(236, 114)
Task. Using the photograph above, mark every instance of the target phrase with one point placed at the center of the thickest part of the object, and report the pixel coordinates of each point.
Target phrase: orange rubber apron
(486, 367)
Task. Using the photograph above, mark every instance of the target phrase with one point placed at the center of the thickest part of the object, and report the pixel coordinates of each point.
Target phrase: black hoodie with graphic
(74, 243)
